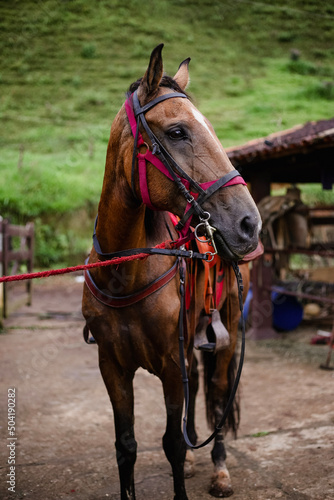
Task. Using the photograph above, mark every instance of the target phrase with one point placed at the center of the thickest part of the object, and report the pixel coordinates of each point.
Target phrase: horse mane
(166, 81)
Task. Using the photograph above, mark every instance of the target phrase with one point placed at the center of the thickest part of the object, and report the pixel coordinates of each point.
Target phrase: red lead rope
(53, 272)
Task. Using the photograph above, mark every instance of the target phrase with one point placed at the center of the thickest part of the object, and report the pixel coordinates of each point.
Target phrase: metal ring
(210, 254)
(205, 219)
(198, 237)
(141, 145)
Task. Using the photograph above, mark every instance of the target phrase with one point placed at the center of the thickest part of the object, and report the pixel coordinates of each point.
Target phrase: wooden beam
(262, 308)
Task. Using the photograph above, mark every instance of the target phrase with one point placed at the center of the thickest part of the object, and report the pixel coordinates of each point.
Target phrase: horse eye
(176, 134)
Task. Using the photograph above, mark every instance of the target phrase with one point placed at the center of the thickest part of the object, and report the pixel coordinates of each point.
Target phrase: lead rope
(184, 373)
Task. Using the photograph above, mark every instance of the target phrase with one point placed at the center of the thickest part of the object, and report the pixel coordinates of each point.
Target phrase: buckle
(189, 197)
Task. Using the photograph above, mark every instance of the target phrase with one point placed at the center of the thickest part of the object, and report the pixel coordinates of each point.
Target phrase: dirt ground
(64, 425)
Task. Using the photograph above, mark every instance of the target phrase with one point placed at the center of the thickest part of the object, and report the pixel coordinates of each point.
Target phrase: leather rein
(195, 194)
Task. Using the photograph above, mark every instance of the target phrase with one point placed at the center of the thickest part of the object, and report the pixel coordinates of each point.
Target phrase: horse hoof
(189, 464)
(221, 492)
(221, 486)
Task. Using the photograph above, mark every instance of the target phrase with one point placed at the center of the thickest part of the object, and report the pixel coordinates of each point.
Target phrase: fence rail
(16, 248)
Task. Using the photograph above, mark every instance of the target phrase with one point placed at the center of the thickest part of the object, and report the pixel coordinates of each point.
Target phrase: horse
(133, 310)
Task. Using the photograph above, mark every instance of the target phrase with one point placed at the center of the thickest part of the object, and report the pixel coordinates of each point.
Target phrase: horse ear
(151, 80)
(182, 75)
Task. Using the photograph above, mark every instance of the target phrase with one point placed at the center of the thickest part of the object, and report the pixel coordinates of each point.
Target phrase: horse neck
(121, 222)
(118, 228)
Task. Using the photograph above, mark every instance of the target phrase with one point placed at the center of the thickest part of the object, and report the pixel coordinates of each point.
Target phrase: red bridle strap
(144, 157)
(148, 156)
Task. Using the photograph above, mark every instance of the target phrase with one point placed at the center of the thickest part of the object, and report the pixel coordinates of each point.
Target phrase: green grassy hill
(67, 64)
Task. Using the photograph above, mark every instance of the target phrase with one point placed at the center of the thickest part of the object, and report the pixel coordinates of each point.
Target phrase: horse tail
(214, 399)
(233, 418)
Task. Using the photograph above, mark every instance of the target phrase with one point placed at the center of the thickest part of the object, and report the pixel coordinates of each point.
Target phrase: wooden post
(260, 186)
(1, 272)
(30, 242)
(261, 276)
(5, 265)
(262, 308)
(16, 256)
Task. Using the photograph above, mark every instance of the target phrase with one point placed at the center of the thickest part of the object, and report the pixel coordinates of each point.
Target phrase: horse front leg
(119, 384)
(173, 441)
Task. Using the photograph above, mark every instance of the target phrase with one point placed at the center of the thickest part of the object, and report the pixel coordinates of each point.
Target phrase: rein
(184, 373)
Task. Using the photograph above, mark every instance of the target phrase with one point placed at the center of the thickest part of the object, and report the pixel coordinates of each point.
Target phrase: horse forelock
(166, 81)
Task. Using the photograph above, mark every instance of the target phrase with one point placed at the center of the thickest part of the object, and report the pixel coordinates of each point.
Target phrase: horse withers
(163, 157)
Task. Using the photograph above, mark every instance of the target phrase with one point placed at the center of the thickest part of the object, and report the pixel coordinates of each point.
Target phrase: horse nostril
(247, 226)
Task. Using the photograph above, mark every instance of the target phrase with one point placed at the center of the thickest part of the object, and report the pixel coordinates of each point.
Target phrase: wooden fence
(16, 248)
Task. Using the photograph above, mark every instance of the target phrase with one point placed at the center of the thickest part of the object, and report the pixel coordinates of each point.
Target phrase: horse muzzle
(234, 241)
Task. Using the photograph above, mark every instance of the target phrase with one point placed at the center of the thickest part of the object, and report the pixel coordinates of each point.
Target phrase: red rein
(53, 272)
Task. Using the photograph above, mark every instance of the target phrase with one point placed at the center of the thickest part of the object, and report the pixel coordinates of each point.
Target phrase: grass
(311, 194)
(260, 434)
(66, 67)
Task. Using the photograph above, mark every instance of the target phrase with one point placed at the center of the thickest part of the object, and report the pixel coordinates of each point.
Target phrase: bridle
(195, 194)
(156, 154)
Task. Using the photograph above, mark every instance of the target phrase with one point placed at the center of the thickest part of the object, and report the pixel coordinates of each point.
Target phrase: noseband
(195, 194)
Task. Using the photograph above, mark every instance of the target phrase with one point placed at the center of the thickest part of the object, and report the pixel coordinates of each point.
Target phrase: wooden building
(303, 154)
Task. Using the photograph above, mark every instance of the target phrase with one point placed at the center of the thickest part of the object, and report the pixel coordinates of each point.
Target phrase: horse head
(192, 156)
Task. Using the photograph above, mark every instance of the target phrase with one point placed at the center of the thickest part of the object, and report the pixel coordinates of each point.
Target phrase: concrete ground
(64, 425)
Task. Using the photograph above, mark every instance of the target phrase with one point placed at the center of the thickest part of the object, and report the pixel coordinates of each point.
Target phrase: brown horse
(144, 333)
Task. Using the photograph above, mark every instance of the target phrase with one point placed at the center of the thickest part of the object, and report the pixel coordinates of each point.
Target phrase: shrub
(320, 90)
(88, 51)
(302, 67)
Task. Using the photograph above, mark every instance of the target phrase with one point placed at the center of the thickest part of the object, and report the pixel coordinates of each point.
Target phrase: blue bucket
(287, 311)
